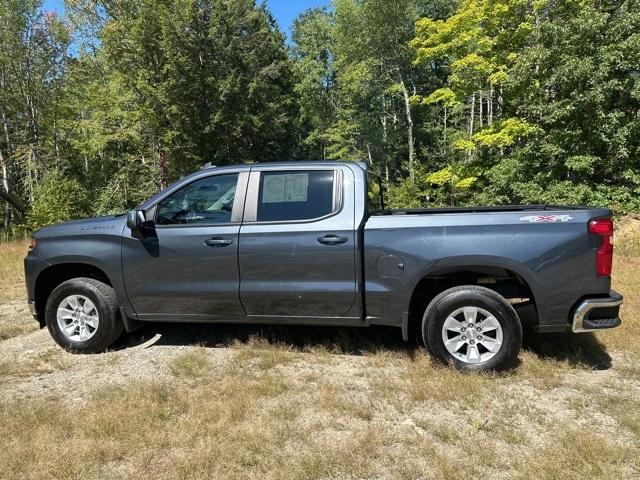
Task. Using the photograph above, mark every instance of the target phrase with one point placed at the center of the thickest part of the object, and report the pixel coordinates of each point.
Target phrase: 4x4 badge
(546, 218)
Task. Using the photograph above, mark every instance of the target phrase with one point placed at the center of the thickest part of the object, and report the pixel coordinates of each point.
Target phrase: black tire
(453, 299)
(110, 324)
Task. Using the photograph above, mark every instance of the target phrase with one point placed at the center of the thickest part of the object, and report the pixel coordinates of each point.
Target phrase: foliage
(57, 199)
(452, 102)
(556, 80)
(154, 90)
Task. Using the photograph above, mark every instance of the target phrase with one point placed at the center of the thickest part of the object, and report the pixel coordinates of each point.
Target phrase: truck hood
(109, 224)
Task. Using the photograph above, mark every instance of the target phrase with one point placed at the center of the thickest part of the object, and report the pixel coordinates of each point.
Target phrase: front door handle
(331, 239)
(218, 242)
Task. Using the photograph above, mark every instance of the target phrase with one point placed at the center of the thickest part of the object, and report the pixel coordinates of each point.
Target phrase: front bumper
(33, 266)
(597, 313)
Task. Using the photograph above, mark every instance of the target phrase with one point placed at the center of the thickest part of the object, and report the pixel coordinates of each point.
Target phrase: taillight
(604, 256)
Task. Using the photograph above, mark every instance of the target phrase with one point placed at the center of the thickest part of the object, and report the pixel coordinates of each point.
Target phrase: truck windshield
(375, 193)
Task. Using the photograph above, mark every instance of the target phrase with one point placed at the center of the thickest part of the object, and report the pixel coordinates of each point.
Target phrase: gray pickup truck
(306, 243)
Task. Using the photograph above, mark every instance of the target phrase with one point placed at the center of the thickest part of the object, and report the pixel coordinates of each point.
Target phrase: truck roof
(293, 163)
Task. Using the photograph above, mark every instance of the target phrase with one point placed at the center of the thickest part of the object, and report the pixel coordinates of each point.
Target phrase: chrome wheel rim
(472, 335)
(78, 318)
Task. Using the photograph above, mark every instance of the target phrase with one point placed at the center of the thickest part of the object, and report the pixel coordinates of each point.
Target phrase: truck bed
(548, 246)
(482, 209)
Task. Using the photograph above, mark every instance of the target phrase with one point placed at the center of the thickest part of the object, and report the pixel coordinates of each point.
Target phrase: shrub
(58, 199)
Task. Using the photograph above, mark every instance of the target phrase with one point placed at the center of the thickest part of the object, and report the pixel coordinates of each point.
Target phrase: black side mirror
(137, 222)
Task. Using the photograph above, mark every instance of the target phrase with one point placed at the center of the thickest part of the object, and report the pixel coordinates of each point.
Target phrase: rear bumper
(597, 313)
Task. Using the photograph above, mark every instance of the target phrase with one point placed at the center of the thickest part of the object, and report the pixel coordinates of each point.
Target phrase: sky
(285, 11)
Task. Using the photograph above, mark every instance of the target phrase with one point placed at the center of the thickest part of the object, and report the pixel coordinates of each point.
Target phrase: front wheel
(82, 315)
(473, 328)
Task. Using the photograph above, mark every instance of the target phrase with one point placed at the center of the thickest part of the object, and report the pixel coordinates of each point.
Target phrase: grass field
(11, 274)
(298, 403)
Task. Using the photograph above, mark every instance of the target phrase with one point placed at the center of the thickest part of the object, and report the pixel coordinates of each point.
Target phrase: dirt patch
(15, 320)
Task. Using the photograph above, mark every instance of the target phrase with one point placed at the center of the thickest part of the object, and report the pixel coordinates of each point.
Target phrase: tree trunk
(472, 115)
(14, 202)
(5, 186)
(162, 166)
(491, 107)
(383, 120)
(410, 139)
(444, 130)
(4, 166)
(6, 194)
(33, 126)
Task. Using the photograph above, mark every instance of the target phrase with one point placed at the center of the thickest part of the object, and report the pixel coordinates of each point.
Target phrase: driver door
(186, 266)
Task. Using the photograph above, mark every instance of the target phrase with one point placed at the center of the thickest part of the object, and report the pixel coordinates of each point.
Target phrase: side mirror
(136, 221)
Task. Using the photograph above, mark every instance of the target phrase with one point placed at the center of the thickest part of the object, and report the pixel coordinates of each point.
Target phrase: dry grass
(48, 361)
(12, 287)
(193, 364)
(626, 280)
(304, 403)
(9, 329)
(627, 237)
(12, 270)
(245, 422)
(15, 320)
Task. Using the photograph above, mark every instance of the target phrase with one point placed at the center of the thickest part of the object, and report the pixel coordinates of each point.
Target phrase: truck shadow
(582, 350)
(578, 350)
(339, 340)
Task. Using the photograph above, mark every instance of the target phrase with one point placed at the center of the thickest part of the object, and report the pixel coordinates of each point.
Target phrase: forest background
(451, 102)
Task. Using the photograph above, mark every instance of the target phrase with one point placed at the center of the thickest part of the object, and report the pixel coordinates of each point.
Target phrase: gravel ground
(349, 380)
(35, 366)
(144, 355)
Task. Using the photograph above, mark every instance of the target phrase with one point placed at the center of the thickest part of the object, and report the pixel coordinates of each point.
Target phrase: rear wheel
(82, 315)
(473, 328)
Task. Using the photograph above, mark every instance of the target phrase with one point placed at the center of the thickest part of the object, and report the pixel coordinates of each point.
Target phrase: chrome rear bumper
(597, 313)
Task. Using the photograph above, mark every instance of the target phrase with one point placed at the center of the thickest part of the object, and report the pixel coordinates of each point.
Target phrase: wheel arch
(512, 280)
(58, 273)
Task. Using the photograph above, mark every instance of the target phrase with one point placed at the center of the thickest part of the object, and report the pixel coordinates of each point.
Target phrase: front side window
(208, 200)
(295, 195)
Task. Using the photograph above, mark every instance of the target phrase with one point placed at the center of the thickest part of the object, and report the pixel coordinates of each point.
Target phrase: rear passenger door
(297, 243)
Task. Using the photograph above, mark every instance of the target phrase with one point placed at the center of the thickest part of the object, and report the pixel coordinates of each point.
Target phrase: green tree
(33, 62)
(57, 199)
(578, 83)
(174, 84)
(211, 79)
(315, 80)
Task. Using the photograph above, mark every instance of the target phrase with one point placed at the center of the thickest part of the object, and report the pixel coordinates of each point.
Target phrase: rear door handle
(331, 239)
(218, 242)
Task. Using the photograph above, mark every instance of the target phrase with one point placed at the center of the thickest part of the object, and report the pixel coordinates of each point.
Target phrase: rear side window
(299, 195)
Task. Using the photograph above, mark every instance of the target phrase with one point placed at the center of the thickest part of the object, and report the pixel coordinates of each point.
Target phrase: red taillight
(604, 256)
